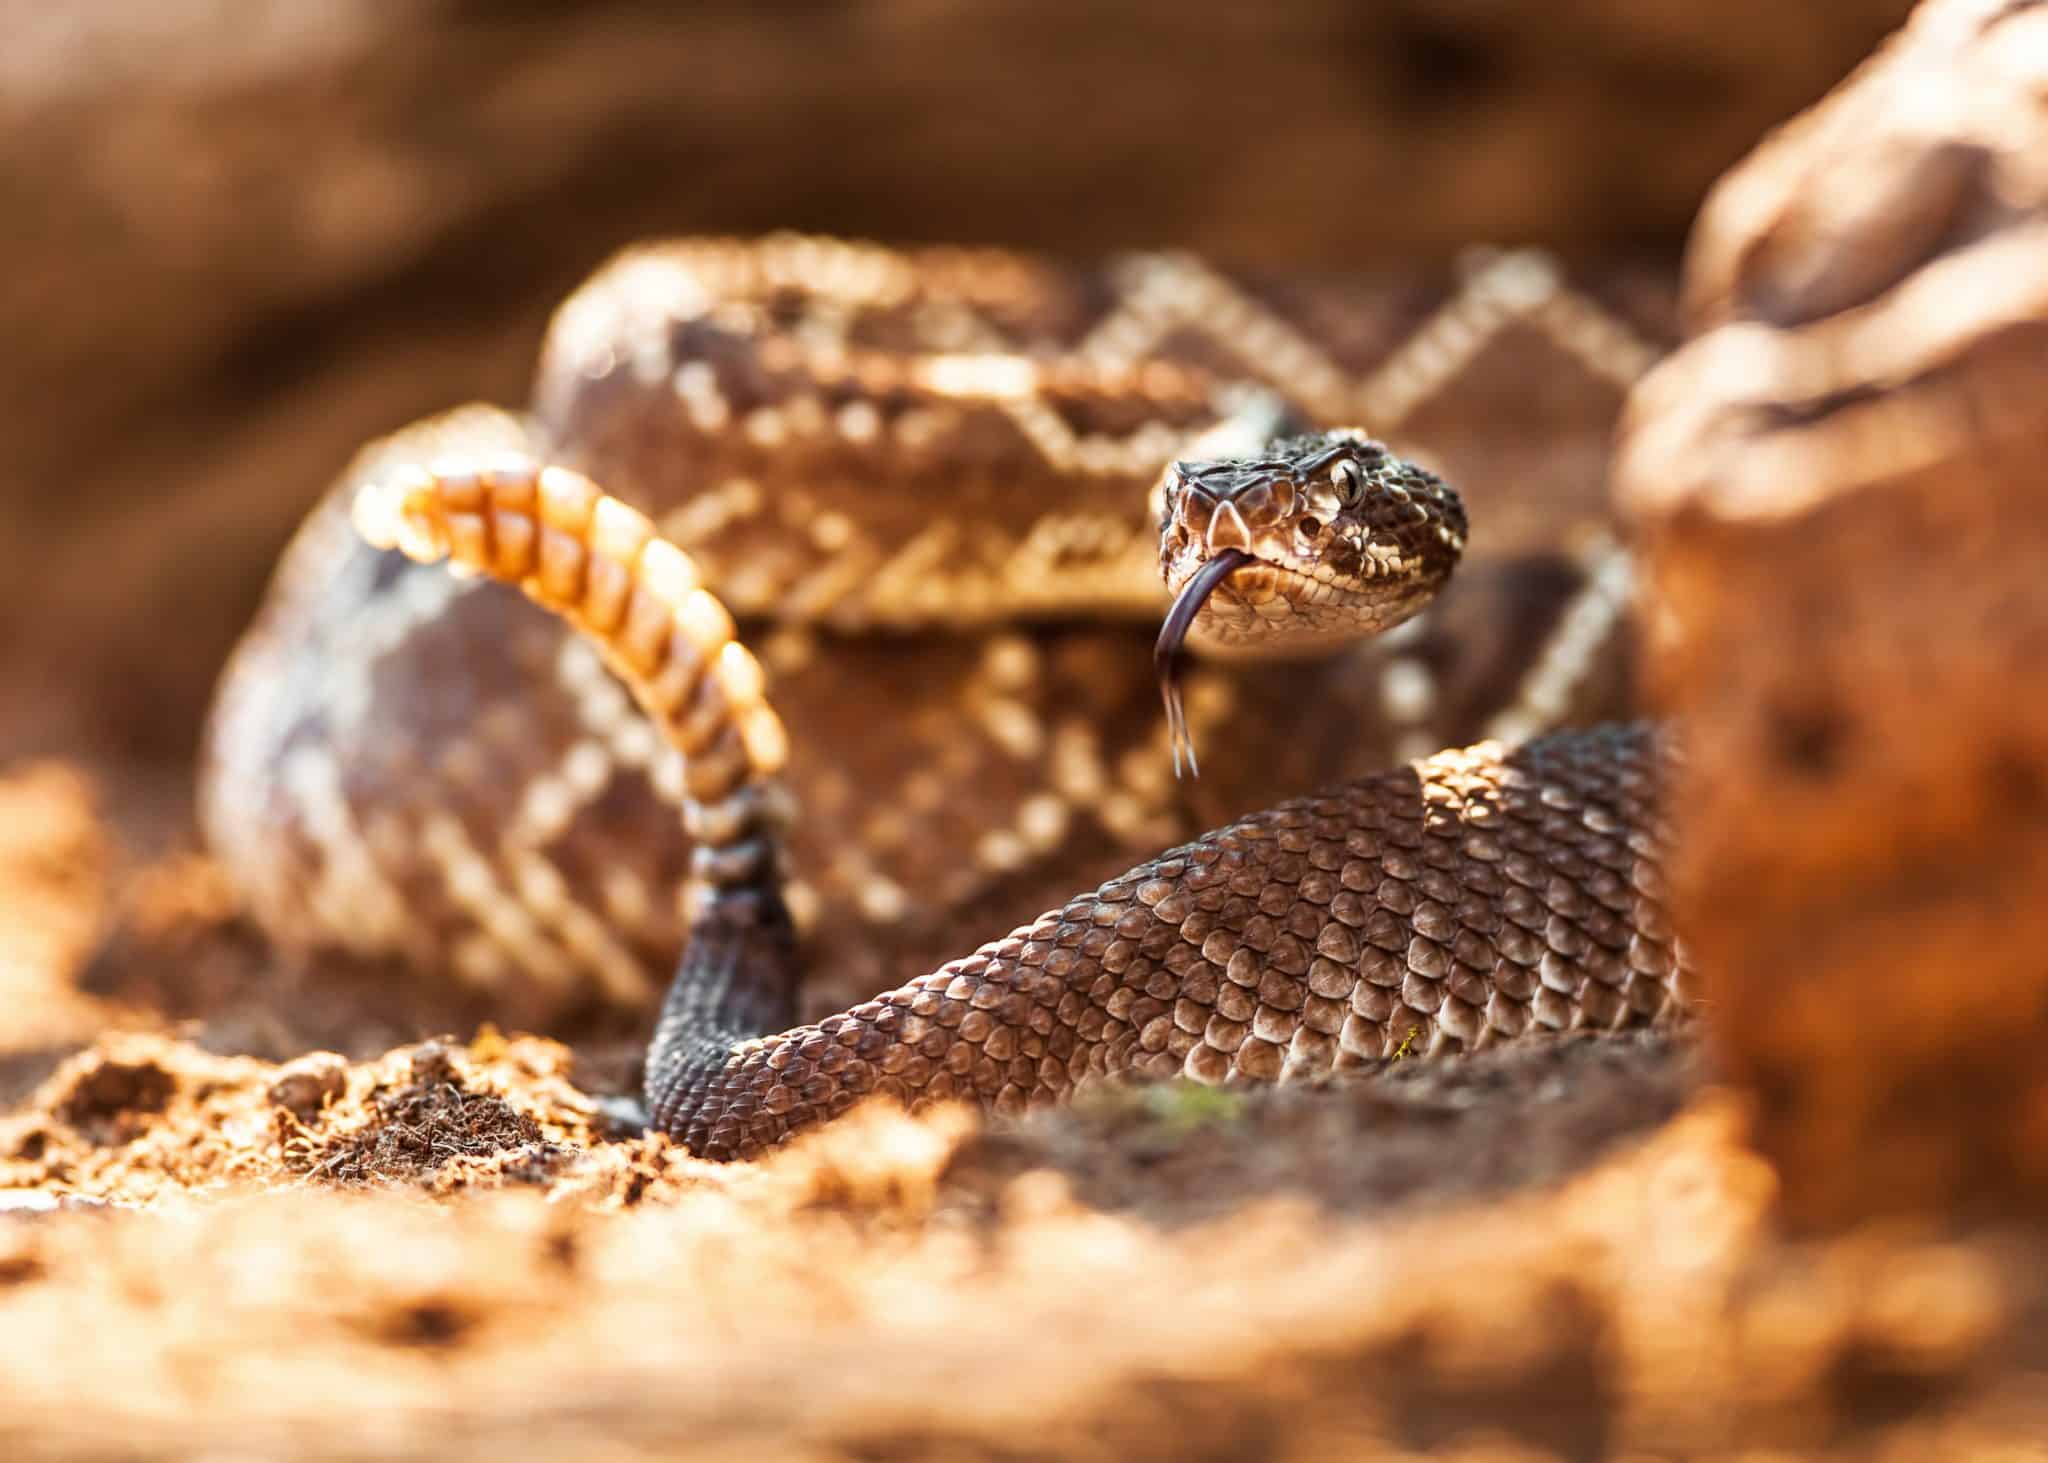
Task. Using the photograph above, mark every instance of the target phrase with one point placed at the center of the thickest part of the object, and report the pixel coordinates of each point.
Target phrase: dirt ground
(218, 1239)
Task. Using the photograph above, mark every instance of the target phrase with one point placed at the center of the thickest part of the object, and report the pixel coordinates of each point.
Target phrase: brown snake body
(1477, 896)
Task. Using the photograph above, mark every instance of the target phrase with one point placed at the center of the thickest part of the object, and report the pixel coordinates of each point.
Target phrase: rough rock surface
(1844, 482)
(255, 233)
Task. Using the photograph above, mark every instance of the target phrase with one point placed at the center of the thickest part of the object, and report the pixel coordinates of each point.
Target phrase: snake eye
(1349, 479)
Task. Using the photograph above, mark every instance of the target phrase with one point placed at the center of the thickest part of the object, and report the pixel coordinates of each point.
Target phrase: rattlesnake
(764, 369)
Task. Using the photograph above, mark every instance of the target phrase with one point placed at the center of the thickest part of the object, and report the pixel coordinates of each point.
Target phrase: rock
(105, 1086)
(1842, 484)
(307, 1084)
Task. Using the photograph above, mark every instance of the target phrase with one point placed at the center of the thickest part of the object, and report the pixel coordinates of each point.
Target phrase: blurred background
(242, 236)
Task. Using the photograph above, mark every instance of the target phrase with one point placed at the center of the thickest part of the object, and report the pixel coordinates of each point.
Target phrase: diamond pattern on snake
(928, 487)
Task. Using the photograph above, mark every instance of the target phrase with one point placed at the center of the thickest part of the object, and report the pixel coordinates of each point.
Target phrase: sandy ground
(233, 1224)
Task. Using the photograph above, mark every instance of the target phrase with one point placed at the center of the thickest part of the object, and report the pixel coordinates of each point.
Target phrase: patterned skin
(1478, 896)
(924, 483)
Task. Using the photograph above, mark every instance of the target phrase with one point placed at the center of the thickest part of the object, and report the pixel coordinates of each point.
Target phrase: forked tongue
(1173, 633)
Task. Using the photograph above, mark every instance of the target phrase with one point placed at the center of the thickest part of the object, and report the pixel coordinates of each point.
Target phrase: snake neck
(737, 980)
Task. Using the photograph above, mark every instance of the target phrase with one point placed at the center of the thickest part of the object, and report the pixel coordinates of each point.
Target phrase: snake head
(1313, 541)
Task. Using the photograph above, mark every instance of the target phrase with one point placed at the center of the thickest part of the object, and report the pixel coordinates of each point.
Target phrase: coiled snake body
(1474, 896)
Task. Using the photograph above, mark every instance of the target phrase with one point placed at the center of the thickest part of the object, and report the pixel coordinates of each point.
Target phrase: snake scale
(928, 488)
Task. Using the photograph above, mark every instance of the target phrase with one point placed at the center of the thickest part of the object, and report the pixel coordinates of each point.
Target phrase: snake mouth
(1316, 611)
(1173, 634)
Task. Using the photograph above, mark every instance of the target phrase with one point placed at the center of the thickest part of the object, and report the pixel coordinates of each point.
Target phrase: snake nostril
(1311, 526)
